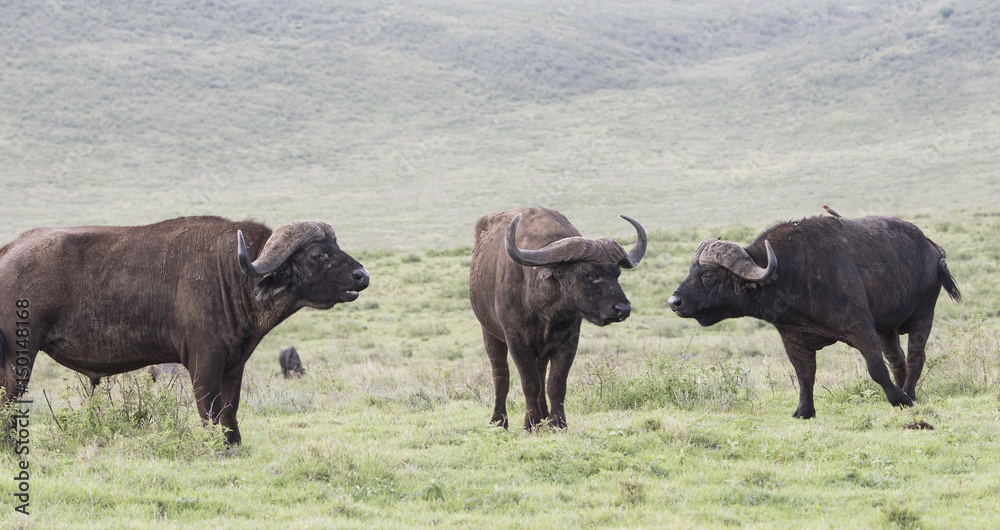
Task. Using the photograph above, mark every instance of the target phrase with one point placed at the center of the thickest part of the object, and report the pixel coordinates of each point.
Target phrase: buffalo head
(720, 275)
(584, 272)
(304, 259)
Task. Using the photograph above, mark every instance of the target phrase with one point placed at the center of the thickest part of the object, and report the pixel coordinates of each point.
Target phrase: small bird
(831, 212)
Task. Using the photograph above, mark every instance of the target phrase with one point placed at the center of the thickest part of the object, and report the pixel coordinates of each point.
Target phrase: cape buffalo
(533, 279)
(103, 300)
(290, 363)
(820, 280)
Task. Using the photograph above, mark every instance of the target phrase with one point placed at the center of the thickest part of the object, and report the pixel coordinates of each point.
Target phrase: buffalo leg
(496, 350)
(804, 361)
(16, 369)
(542, 365)
(871, 349)
(919, 332)
(231, 384)
(531, 384)
(894, 354)
(561, 362)
(206, 380)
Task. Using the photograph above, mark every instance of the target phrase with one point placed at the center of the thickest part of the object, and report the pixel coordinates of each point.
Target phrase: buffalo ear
(272, 284)
(741, 286)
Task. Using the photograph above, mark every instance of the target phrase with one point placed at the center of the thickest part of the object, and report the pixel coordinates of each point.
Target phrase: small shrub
(899, 515)
(758, 478)
(631, 493)
(433, 492)
(151, 418)
(946, 12)
(652, 424)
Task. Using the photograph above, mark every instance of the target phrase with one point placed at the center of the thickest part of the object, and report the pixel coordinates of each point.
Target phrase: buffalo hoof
(531, 426)
(233, 438)
(500, 421)
(902, 401)
(804, 413)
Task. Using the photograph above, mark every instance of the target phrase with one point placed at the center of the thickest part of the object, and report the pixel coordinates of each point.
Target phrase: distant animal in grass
(290, 363)
(164, 371)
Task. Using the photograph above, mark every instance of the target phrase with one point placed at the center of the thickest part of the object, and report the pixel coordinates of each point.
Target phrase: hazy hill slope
(401, 124)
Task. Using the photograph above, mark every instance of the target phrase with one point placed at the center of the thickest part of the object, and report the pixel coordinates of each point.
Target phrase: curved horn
(567, 249)
(733, 257)
(701, 247)
(284, 241)
(634, 256)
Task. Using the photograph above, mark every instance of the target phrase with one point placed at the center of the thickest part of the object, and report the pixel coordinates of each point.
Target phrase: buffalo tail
(948, 282)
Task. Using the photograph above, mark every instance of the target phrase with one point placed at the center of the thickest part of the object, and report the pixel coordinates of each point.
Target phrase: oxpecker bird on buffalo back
(200, 291)
(863, 282)
(533, 280)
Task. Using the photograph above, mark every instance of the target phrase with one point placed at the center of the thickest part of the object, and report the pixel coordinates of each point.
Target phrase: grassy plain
(670, 424)
(400, 125)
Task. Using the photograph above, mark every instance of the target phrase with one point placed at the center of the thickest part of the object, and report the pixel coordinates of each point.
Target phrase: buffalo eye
(319, 259)
(708, 278)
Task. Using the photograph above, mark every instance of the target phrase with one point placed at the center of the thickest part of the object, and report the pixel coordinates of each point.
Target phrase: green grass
(670, 424)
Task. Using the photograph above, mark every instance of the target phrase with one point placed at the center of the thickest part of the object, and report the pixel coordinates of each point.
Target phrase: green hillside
(401, 124)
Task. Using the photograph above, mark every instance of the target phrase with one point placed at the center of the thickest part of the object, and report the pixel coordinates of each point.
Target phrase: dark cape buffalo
(533, 279)
(290, 363)
(103, 300)
(820, 280)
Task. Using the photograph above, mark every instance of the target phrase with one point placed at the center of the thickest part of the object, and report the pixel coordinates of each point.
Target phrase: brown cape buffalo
(820, 280)
(533, 279)
(290, 363)
(103, 300)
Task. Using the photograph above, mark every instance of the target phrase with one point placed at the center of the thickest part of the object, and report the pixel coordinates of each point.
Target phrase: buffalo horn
(634, 256)
(577, 248)
(284, 241)
(701, 247)
(732, 256)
